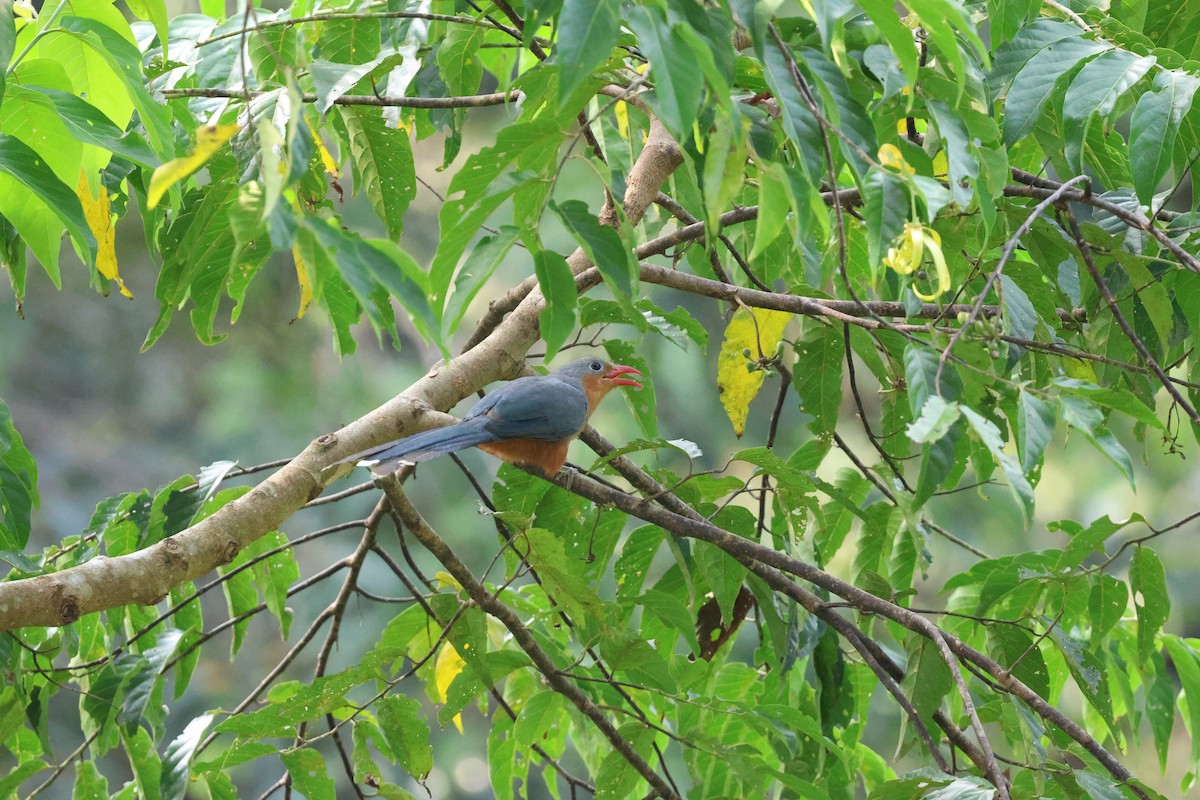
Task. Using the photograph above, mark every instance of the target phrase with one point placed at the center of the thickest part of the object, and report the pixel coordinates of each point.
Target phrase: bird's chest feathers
(548, 456)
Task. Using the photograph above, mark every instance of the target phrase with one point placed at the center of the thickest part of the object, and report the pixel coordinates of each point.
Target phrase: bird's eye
(595, 366)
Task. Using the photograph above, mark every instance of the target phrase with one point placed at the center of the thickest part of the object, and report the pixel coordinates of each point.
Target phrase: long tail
(422, 446)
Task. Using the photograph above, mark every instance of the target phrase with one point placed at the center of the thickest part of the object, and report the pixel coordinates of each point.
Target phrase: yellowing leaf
(447, 581)
(621, 112)
(326, 157)
(447, 667)
(891, 158)
(304, 279)
(99, 217)
(209, 139)
(752, 330)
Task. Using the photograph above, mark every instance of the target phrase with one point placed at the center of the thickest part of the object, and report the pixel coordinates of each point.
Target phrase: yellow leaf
(326, 157)
(447, 581)
(209, 139)
(757, 330)
(941, 165)
(305, 280)
(891, 158)
(447, 667)
(99, 217)
(621, 112)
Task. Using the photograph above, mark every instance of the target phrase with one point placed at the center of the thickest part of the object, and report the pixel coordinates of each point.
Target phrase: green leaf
(8, 40)
(486, 180)
(1154, 126)
(672, 612)
(1184, 660)
(989, 434)
(1035, 428)
(1012, 56)
(407, 732)
(1107, 603)
(631, 566)
(177, 759)
(19, 774)
(1095, 91)
(927, 679)
(350, 41)
(486, 256)
(603, 246)
(274, 574)
(1088, 671)
(886, 204)
(367, 264)
(723, 574)
(147, 768)
(1015, 650)
(18, 485)
(677, 90)
(641, 402)
(89, 125)
(90, 784)
(332, 80)
(1148, 580)
(540, 712)
(1017, 313)
(898, 35)
(799, 123)
(1086, 418)
(307, 770)
(458, 61)
(817, 375)
(1117, 399)
(920, 372)
(1034, 84)
(125, 60)
(936, 419)
(30, 170)
(1160, 707)
(587, 31)
(557, 319)
(383, 164)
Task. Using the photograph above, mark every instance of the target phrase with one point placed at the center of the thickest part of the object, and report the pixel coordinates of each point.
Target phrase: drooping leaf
(557, 319)
(209, 139)
(752, 334)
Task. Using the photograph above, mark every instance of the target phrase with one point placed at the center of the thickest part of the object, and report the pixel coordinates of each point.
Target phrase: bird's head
(598, 377)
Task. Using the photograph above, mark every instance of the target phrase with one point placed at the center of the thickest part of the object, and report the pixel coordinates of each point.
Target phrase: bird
(529, 421)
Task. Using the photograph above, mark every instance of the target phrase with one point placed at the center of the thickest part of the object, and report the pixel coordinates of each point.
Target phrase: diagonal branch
(521, 635)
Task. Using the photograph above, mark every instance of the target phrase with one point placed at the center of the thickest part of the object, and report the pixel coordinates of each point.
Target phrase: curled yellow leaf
(752, 330)
(327, 159)
(447, 667)
(908, 254)
(98, 213)
(209, 139)
(304, 279)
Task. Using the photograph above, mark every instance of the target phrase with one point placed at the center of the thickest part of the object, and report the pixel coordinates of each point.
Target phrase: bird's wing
(534, 408)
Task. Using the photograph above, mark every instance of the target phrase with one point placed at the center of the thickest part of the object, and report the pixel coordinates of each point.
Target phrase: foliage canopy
(969, 225)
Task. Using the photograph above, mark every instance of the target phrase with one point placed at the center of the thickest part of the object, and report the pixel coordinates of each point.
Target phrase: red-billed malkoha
(528, 421)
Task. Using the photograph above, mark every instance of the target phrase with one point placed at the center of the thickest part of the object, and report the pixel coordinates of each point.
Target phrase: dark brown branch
(1086, 250)
(463, 101)
(746, 550)
(521, 635)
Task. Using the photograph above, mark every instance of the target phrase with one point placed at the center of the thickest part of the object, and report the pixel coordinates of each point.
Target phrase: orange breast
(546, 456)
